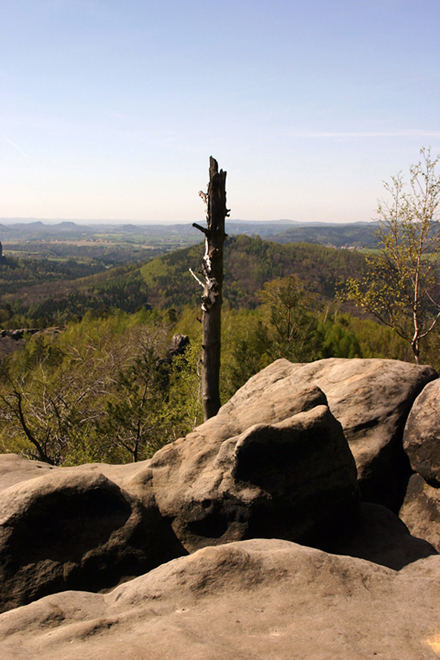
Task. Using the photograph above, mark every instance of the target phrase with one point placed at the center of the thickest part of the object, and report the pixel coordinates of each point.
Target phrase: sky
(110, 109)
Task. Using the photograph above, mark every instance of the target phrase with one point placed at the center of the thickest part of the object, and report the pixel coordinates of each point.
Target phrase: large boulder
(292, 479)
(421, 438)
(421, 510)
(371, 398)
(280, 467)
(74, 528)
(253, 599)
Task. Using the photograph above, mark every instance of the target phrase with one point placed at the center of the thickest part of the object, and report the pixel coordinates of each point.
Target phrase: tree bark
(212, 269)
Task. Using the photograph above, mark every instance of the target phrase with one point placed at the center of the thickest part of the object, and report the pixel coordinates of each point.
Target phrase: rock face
(421, 439)
(75, 529)
(239, 475)
(231, 480)
(378, 535)
(371, 399)
(253, 599)
(421, 510)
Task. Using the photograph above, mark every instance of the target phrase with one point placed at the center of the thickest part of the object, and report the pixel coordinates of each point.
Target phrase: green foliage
(40, 293)
(102, 390)
(401, 285)
(44, 412)
(44, 293)
(248, 264)
(376, 340)
(293, 323)
(338, 339)
(134, 421)
(245, 348)
(184, 403)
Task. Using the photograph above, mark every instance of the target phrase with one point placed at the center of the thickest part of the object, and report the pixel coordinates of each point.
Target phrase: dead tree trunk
(212, 269)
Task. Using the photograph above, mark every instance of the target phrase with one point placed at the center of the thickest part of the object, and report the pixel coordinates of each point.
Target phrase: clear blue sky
(111, 108)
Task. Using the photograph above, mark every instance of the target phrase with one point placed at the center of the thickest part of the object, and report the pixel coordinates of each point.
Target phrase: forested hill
(165, 281)
(249, 263)
(356, 234)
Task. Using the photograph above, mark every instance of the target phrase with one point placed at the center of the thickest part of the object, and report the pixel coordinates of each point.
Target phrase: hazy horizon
(128, 221)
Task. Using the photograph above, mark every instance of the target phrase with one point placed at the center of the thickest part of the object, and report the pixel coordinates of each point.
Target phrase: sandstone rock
(293, 479)
(371, 398)
(15, 468)
(178, 346)
(75, 529)
(421, 438)
(378, 535)
(421, 510)
(273, 462)
(92, 526)
(17, 334)
(254, 599)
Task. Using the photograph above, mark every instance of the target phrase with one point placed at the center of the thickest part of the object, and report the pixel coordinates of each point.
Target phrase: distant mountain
(357, 234)
(66, 225)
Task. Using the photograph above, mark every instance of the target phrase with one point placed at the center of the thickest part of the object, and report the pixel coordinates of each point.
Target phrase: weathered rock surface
(92, 526)
(421, 441)
(421, 510)
(75, 529)
(378, 535)
(273, 463)
(249, 600)
(15, 468)
(421, 438)
(293, 479)
(371, 398)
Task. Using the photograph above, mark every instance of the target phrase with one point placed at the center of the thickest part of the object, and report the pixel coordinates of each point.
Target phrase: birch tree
(401, 287)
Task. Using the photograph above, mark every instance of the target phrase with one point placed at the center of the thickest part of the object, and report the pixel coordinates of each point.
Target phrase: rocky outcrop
(421, 439)
(274, 462)
(239, 475)
(18, 333)
(75, 529)
(371, 398)
(421, 510)
(15, 468)
(253, 599)
(13, 340)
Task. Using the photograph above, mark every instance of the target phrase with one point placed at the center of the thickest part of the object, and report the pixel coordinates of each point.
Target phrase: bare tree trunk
(212, 269)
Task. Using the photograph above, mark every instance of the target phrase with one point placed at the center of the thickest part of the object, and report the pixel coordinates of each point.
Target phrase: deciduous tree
(292, 321)
(401, 286)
